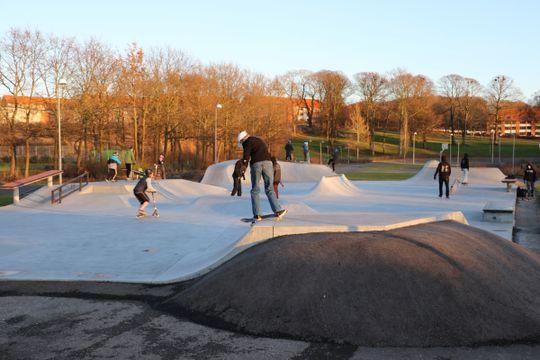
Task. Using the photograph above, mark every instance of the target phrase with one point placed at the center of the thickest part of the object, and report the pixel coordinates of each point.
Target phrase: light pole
(514, 152)
(218, 106)
(500, 136)
(60, 86)
(414, 148)
(492, 144)
(320, 152)
(450, 145)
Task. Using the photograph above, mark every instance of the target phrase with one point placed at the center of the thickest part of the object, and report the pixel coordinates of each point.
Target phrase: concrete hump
(220, 174)
(337, 185)
(436, 284)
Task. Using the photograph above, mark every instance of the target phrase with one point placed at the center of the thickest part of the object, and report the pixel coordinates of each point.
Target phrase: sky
(474, 38)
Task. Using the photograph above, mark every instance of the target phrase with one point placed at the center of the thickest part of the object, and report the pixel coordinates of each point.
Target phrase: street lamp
(60, 85)
(451, 142)
(414, 148)
(514, 151)
(218, 106)
(492, 144)
(500, 136)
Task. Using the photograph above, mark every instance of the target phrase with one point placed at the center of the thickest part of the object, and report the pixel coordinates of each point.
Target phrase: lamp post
(513, 152)
(450, 146)
(60, 86)
(320, 152)
(218, 106)
(500, 136)
(414, 148)
(492, 144)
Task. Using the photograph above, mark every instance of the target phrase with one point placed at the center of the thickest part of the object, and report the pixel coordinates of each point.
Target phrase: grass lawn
(382, 171)
(474, 146)
(5, 198)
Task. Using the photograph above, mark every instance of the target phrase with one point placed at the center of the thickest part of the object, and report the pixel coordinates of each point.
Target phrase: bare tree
(372, 89)
(410, 93)
(467, 100)
(499, 92)
(452, 89)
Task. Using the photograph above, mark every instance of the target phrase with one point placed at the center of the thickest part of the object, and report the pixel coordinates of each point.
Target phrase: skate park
(400, 255)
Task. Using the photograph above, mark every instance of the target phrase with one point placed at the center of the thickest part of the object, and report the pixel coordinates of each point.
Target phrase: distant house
(38, 109)
(523, 121)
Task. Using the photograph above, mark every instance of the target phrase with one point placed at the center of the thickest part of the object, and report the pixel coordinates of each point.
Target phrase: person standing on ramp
(256, 152)
(444, 170)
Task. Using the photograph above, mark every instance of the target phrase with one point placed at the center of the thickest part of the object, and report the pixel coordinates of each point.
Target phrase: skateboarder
(529, 175)
(238, 174)
(256, 152)
(289, 148)
(144, 185)
(277, 175)
(444, 170)
(112, 167)
(465, 169)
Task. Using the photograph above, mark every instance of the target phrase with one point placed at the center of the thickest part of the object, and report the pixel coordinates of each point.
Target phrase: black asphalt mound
(439, 284)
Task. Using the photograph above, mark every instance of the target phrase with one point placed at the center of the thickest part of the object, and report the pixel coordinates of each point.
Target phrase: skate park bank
(93, 236)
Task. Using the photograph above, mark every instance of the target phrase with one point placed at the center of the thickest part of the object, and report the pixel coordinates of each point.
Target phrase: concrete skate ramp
(221, 174)
(337, 185)
(438, 284)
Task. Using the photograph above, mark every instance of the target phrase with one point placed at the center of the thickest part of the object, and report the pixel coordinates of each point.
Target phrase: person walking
(277, 175)
(256, 153)
(465, 169)
(444, 170)
(289, 148)
(305, 148)
(129, 159)
(529, 175)
(112, 167)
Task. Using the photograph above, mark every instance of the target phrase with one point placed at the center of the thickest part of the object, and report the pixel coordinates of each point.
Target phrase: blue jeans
(266, 170)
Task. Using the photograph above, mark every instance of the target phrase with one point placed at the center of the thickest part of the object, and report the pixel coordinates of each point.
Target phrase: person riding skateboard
(256, 153)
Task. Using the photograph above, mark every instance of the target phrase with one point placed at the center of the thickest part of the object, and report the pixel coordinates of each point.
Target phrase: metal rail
(72, 187)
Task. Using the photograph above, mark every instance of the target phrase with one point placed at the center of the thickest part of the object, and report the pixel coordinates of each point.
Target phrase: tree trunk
(26, 157)
(12, 160)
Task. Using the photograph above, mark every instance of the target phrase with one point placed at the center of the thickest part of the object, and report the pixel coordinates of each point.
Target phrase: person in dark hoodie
(277, 175)
(465, 169)
(444, 170)
(529, 175)
(237, 175)
(256, 152)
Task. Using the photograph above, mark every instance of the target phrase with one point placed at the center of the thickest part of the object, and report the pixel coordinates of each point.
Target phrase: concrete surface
(93, 235)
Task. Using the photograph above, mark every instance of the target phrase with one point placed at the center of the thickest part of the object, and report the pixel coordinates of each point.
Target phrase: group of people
(114, 161)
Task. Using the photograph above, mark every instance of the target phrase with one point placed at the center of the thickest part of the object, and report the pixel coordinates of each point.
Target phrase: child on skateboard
(238, 175)
(144, 185)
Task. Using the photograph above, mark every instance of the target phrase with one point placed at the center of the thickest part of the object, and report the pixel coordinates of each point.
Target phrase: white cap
(243, 134)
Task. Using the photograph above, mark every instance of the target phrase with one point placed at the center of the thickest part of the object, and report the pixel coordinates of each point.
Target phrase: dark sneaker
(281, 213)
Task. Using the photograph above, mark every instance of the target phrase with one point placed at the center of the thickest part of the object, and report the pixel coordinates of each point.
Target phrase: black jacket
(465, 163)
(239, 169)
(141, 186)
(529, 175)
(444, 170)
(255, 150)
(289, 148)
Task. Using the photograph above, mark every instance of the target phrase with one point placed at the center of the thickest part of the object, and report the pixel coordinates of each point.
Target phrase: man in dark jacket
(444, 170)
(238, 175)
(529, 175)
(289, 148)
(256, 152)
(465, 169)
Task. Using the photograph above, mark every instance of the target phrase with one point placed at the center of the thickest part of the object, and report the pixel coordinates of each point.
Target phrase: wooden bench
(15, 185)
(509, 183)
(498, 211)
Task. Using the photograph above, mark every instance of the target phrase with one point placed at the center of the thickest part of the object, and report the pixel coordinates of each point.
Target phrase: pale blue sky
(475, 38)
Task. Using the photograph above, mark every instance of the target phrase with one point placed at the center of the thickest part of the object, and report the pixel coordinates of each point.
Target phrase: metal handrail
(62, 194)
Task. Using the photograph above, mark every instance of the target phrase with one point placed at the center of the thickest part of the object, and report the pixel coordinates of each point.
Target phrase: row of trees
(163, 101)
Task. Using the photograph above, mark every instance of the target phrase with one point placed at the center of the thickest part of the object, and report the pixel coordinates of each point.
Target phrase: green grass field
(382, 171)
(479, 147)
